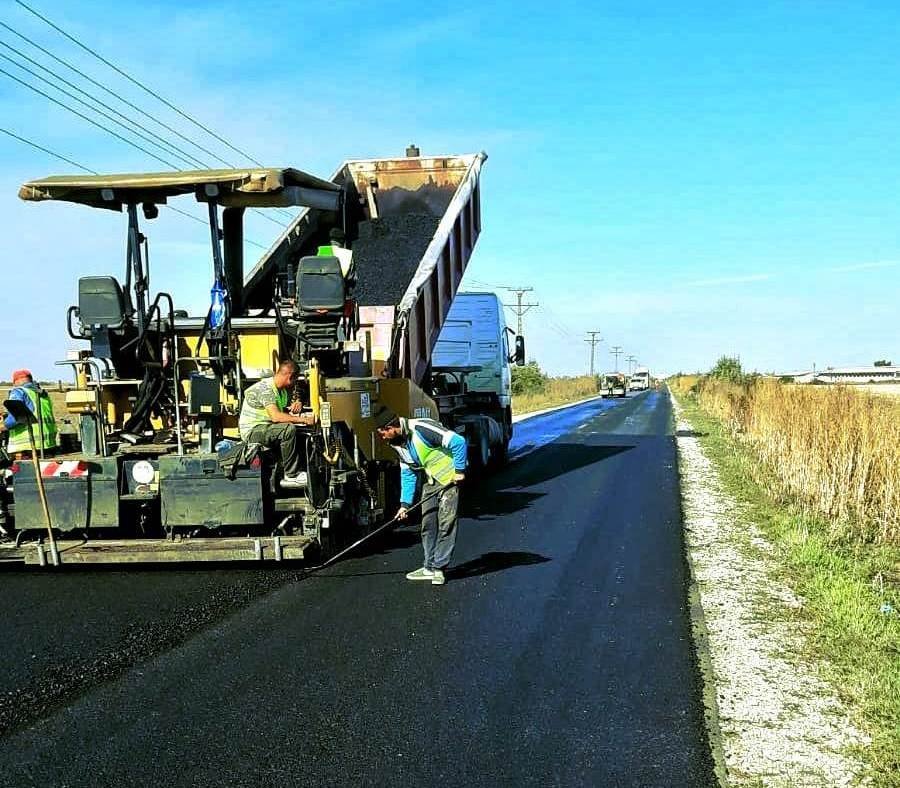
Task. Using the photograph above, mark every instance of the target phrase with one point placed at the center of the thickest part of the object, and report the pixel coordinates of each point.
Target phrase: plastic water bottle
(224, 446)
(217, 311)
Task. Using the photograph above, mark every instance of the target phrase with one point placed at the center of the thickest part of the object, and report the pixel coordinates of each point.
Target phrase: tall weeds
(834, 450)
(555, 391)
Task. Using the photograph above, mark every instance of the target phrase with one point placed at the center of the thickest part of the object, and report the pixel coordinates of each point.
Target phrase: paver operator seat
(322, 304)
(104, 317)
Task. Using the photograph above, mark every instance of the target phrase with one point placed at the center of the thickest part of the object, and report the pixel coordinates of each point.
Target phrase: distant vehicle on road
(640, 379)
(613, 384)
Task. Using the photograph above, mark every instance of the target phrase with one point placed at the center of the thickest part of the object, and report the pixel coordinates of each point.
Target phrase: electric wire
(137, 82)
(180, 151)
(85, 117)
(74, 163)
(110, 131)
(92, 108)
(113, 93)
(146, 114)
(49, 152)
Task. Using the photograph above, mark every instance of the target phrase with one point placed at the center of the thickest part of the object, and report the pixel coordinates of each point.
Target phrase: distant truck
(471, 377)
(613, 384)
(640, 379)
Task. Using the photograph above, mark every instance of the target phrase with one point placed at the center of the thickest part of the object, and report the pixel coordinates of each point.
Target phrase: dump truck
(471, 378)
(157, 392)
(613, 384)
(640, 379)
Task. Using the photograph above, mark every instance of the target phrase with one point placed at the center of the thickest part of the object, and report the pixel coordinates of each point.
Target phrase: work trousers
(439, 517)
(284, 437)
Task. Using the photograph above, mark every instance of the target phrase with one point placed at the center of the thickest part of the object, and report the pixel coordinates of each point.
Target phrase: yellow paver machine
(157, 392)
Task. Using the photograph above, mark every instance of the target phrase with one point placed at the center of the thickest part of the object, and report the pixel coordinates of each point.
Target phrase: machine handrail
(98, 394)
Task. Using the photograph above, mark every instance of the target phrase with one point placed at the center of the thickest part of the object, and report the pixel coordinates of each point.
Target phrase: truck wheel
(480, 451)
(500, 455)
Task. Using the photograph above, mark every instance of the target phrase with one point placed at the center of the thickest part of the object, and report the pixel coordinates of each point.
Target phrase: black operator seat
(321, 294)
(102, 310)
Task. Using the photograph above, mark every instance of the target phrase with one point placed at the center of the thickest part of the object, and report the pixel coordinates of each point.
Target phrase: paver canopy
(256, 188)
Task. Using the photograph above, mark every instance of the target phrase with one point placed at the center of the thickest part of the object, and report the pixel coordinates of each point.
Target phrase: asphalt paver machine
(157, 392)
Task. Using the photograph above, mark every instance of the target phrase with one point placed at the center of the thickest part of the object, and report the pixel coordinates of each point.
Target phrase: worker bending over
(429, 449)
(267, 418)
(38, 401)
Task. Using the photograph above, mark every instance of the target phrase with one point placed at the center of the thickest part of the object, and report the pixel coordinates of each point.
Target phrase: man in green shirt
(267, 418)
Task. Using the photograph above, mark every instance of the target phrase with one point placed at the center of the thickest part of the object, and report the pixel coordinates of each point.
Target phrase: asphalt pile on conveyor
(387, 253)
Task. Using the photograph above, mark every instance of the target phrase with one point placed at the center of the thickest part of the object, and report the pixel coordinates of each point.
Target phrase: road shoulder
(781, 723)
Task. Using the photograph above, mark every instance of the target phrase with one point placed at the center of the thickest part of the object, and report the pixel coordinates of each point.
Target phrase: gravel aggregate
(387, 254)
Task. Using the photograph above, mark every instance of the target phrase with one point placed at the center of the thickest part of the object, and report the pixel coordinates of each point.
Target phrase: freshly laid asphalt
(558, 653)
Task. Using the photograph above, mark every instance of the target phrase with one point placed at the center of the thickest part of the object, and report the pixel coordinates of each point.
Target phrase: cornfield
(833, 449)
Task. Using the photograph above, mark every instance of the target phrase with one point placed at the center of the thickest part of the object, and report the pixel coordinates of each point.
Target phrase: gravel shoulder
(780, 723)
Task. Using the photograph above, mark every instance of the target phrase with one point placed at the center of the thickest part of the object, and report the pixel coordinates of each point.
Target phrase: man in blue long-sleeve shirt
(24, 389)
(427, 447)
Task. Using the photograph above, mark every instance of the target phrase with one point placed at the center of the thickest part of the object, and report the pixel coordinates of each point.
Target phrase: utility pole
(631, 360)
(519, 309)
(593, 342)
(617, 351)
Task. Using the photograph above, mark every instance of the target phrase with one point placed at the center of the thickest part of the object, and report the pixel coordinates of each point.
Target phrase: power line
(107, 129)
(555, 324)
(85, 117)
(74, 163)
(562, 323)
(91, 107)
(191, 159)
(49, 152)
(617, 351)
(113, 93)
(556, 328)
(593, 341)
(519, 308)
(133, 106)
(137, 82)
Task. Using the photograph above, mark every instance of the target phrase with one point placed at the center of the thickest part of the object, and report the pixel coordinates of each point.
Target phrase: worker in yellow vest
(427, 448)
(38, 401)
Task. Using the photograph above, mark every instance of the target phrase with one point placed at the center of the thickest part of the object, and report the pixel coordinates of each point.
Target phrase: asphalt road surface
(558, 653)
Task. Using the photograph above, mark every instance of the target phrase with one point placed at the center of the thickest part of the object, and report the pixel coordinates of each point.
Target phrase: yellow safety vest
(42, 408)
(437, 462)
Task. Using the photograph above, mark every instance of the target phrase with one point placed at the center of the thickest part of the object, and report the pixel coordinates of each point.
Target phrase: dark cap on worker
(337, 234)
(385, 417)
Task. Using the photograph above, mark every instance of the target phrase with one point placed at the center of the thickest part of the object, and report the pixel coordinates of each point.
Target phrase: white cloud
(731, 280)
(842, 269)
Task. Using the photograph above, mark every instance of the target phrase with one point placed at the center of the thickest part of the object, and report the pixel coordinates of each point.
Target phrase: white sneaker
(438, 578)
(300, 480)
(421, 574)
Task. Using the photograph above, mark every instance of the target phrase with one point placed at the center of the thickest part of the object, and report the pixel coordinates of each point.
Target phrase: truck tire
(480, 451)
(500, 455)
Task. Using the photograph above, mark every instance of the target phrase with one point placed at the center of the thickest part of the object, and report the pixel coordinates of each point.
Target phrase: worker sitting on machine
(268, 419)
(38, 401)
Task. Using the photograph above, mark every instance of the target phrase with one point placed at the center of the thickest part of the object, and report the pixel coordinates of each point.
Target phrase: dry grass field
(834, 449)
(556, 391)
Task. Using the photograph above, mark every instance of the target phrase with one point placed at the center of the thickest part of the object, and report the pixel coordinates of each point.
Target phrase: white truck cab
(472, 377)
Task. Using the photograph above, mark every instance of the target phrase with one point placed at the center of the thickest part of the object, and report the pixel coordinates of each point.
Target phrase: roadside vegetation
(817, 469)
(533, 390)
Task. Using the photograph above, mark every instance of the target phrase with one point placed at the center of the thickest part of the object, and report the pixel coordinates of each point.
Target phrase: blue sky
(690, 179)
